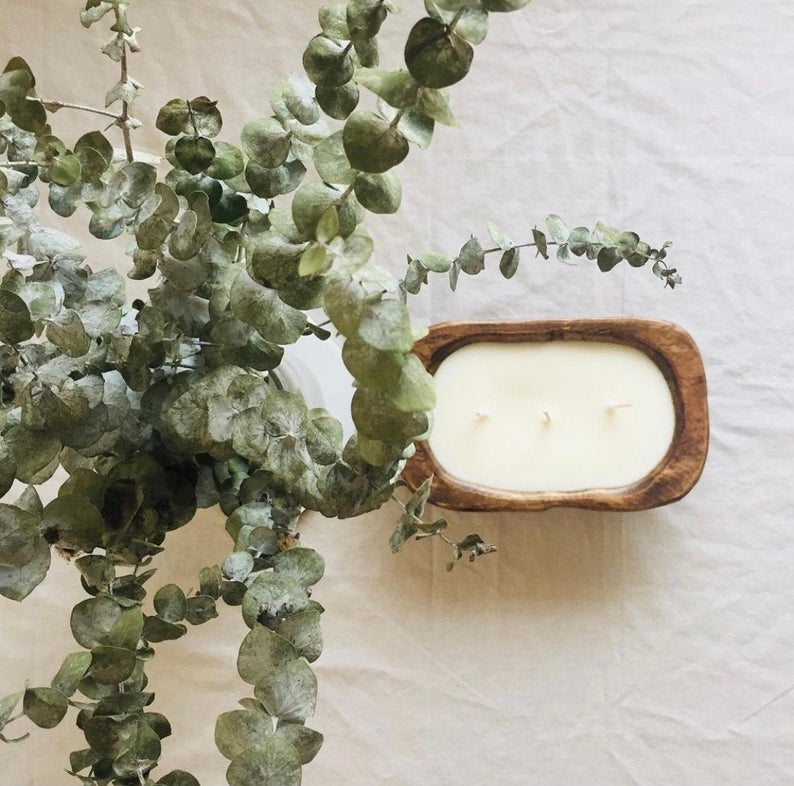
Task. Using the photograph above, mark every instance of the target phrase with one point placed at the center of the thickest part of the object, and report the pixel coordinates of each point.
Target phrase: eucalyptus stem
(455, 19)
(54, 105)
(397, 118)
(125, 106)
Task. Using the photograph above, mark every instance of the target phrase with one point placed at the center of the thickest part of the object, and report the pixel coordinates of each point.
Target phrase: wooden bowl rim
(669, 346)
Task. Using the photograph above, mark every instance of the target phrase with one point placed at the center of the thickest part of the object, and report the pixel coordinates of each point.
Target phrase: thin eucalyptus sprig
(603, 244)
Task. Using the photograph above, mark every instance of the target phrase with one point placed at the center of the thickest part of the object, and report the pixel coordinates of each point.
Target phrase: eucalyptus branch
(53, 105)
(604, 245)
(413, 525)
(125, 106)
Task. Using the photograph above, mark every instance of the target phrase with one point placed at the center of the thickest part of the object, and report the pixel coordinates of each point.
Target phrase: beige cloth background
(599, 649)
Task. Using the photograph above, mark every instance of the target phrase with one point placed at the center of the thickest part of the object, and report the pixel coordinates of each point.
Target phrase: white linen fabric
(593, 648)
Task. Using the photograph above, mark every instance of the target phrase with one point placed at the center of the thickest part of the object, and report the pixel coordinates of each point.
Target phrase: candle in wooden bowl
(607, 414)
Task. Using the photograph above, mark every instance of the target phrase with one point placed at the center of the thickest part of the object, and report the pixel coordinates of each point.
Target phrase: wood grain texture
(670, 347)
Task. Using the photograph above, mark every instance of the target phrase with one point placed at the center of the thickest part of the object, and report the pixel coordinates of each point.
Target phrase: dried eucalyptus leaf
(194, 154)
(200, 609)
(376, 417)
(262, 308)
(415, 391)
(289, 692)
(331, 162)
(15, 322)
(304, 565)
(19, 536)
(261, 652)
(435, 56)
(238, 730)
(170, 603)
(378, 193)
(18, 583)
(372, 144)
(172, 119)
(273, 761)
(273, 597)
(303, 631)
(73, 522)
(71, 673)
(68, 333)
(111, 665)
(386, 325)
(328, 62)
(267, 182)
(307, 741)
(93, 619)
(508, 264)
(312, 200)
(156, 630)
(370, 366)
(46, 707)
(338, 102)
(266, 142)
(298, 94)
(238, 565)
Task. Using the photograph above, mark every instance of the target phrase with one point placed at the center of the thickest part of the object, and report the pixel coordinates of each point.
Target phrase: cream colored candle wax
(551, 416)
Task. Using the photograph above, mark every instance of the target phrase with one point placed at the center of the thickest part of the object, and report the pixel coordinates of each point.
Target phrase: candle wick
(624, 405)
(481, 414)
(546, 417)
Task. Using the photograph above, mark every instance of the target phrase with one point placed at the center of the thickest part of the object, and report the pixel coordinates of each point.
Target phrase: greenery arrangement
(156, 408)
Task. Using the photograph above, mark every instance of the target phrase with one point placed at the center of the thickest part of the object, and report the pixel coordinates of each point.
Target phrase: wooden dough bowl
(666, 344)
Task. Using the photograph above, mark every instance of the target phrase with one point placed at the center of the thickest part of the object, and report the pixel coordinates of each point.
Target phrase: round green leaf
(228, 162)
(170, 603)
(261, 652)
(338, 102)
(93, 619)
(372, 144)
(205, 116)
(194, 154)
(73, 522)
(307, 741)
(45, 707)
(331, 162)
(238, 730)
(111, 665)
(376, 416)
(379, 193)
(386, 325)
(304, 632)
(15, 322)
(273, 761)
(267, 182)
(312, 200)
(238, 565)
(372, 367)
(19, 536)
(327, 62)
(273, 597)
(435, 56)
(266, 142)
(71, 672)
(173, 118)
(290, 692)
(18, 583)
(303, 564)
